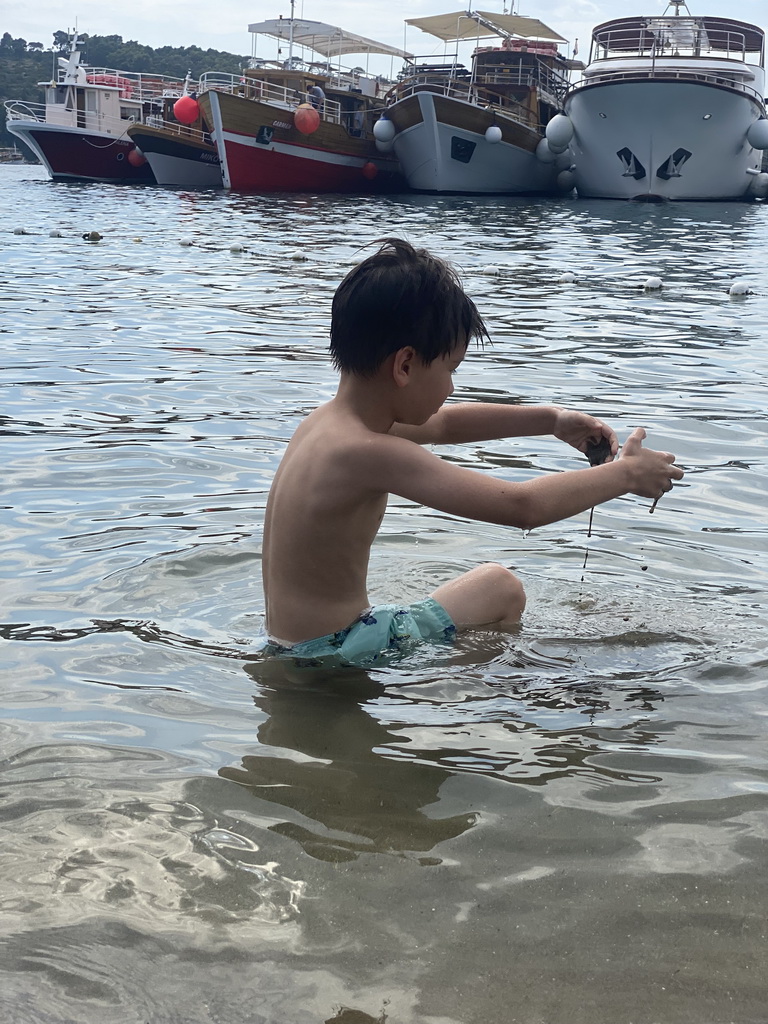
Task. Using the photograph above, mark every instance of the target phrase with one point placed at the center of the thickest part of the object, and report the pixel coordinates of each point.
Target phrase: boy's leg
(489, 595)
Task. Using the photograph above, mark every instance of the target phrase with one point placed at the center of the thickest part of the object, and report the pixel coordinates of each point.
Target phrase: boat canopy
(327, 40)
(478, 24)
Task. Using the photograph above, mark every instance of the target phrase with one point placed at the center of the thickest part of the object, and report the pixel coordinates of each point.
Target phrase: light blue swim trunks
(379, 630)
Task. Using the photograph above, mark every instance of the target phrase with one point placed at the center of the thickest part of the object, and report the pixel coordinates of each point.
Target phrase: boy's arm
(484, 421)
(394, 465)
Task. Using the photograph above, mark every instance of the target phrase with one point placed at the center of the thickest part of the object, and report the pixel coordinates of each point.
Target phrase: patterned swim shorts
(385, 628)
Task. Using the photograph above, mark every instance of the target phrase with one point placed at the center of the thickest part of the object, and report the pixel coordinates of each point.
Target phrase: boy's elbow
(524, 513)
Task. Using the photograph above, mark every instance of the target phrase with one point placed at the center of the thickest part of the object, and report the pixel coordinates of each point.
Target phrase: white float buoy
(493, 134)
(237, 247)
(490, 269)
(298, 255)
(384, 130)
(559, 132)
(757, 134)
(740, 287)
(384, 147)
(758, 185)
(567, 277)
(564, 161)
(652, 284)
(20, 231)
(544, 153)
(566, 180)
(55, 233)
(186, 241)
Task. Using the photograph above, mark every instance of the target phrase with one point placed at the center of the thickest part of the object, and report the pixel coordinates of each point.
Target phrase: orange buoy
(186, 109)
(370, 170)
(136, 158)
(306, 119)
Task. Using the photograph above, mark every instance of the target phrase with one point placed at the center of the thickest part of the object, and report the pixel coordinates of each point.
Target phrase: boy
(400, 327)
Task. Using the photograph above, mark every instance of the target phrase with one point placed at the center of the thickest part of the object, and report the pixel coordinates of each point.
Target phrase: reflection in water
(353, 798)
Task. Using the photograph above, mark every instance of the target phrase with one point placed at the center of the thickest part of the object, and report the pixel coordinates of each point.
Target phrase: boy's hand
(652, 472)
(578, 430)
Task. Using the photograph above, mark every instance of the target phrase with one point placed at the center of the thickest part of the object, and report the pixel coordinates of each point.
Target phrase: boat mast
(677, 4)
(290, 34)
(73, 75)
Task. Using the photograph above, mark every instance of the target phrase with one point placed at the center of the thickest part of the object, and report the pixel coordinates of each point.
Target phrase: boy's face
(435, 381)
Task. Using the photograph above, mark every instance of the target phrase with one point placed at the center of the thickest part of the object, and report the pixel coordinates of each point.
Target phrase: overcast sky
(223, 24)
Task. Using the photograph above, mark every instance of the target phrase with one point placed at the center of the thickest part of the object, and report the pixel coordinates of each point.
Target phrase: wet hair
(400, 296)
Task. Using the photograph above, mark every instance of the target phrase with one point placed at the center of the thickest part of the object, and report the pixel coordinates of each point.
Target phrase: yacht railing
(476, 95)
(670, 74)
(667, 38)
(136, 85)
(264, 91)
(19, 110)
(552, 85)
(183, 131)
(539, 76)
(56, 114)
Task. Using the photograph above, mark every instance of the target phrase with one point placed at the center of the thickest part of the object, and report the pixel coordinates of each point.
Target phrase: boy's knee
(508, 589)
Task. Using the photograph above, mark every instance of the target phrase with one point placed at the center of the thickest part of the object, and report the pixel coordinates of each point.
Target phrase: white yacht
(671, 107)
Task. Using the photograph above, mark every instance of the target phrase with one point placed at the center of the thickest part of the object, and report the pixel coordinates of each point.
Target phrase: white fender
(384, 130)
(544, 153)
(559, 132)
(757, 135)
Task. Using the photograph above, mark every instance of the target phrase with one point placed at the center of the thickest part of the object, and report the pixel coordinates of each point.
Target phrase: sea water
(567, 824)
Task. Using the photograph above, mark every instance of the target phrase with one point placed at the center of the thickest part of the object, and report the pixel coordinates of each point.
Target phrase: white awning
(480, 24)
(327, 40)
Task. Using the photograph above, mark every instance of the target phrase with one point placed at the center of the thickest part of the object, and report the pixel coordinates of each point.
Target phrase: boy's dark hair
(400, 296)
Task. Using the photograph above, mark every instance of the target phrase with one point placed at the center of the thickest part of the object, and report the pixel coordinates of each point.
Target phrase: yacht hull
(442, 147)
(77, 154)
(176, 160)
(662, 139)
(261, 151)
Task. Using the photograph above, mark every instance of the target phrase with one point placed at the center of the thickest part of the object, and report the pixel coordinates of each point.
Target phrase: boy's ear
(402, 365)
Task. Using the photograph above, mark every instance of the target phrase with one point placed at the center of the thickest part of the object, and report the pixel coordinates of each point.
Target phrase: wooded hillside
(23, 64)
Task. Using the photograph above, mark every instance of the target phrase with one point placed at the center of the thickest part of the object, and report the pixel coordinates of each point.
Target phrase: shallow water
(568, 824)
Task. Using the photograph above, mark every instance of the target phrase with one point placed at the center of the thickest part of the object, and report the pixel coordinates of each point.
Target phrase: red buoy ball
(370, 170)
(306, 119)
(136, 158)
(186, 109)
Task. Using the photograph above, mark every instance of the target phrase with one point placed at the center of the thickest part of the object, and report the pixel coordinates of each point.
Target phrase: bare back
(320, 524)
